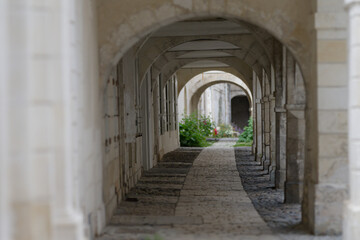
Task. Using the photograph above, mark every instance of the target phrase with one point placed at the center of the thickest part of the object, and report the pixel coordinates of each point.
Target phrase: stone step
(147, 198)
(149, 208)
(177, 170)
(174, 165)
(181, 156)
(159, 186)
(162, 180)
(167, 174)
(158, 189)
(155, 220)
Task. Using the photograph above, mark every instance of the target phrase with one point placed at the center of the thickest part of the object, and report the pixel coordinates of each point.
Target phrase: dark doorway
(240, 111)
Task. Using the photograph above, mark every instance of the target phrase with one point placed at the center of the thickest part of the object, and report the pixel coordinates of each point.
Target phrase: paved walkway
(186, 199)
(213, 191)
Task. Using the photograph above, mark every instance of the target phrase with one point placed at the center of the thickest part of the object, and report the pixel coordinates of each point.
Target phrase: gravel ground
(268, 201)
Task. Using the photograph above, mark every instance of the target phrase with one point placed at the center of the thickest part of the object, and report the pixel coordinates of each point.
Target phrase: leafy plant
(247, 135)
(193, 131)
(206, 125)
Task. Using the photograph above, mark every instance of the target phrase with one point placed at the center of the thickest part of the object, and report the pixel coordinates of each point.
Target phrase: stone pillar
(266, 132)
(326, 168)
(40, 150)
(254, 117)
(228, 102)
(266, 122)
(295, 153)
(280, 101)
(263, 154)
(6, 219)
(351, 224)
(295, 150)
(259, 130)
(272, 167)
(258, 122)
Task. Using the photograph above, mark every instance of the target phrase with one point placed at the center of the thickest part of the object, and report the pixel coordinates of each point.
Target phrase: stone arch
(127, 28)
(250, 51)
(184, 74)
(244, 70)
(194, 99)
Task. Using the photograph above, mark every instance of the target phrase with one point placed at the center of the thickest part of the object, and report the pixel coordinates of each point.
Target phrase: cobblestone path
(198, 194)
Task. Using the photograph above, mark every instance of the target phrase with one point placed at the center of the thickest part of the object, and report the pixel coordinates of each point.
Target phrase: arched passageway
(272, 77)
(108, 101)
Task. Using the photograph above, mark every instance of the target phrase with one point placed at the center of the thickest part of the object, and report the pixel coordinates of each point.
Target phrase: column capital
(258, 100)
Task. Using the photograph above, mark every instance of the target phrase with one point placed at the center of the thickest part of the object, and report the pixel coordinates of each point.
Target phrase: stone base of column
(272, 171)
(280, 178)
(293, 192)
(266, 164)
(69, 226)
(351, 229)
(258, 158)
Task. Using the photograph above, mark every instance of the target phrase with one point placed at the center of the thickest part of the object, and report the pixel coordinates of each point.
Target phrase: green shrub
(193, 131)
(247, 134)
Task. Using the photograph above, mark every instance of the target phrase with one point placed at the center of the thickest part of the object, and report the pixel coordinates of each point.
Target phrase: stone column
(267, 133)
(253, 107)
(259, 130)
(326, 168)
(351, 224)
(266, 121)
(258, 122)
(228, 102)
(6, 219)
(263, 154)
(295, 153)
(295, 134)
(40, 150)
(280, 93)
(272, 167)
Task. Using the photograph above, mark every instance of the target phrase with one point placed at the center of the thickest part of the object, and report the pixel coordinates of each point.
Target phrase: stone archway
(301, 45)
